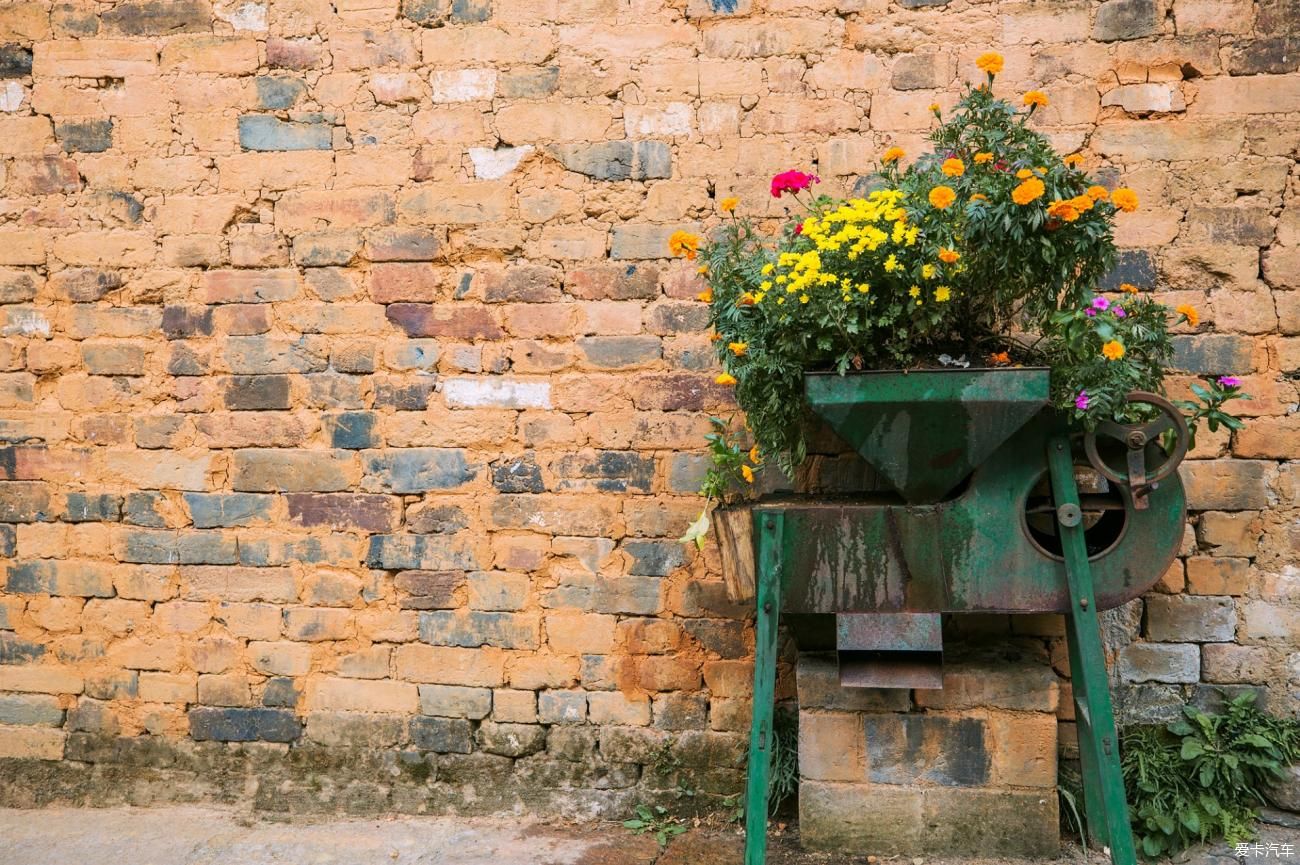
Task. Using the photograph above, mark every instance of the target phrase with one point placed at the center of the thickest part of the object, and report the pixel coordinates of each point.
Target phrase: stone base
(969, 770)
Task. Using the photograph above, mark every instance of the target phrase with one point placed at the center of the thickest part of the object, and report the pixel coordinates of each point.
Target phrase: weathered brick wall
(348, 401)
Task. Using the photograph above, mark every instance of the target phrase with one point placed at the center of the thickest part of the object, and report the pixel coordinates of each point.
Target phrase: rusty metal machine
(996, 504)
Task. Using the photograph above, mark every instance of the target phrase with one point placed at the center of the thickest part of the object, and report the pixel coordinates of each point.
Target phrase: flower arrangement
(989, 248)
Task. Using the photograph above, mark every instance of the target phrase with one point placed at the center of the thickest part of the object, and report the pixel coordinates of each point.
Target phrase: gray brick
(31, 710)
(157, 17)
(326, 248)
(25, 502)
(356, 729)
(142, 509)
(279, 91)
(606, 472)
(67, 578)
(478, 628)
(426, 12)
(258, 393)
(616, 160)
(264, 132)
(680, 711)
(88, 136)
(534, 83)
(635, 595)
(444, 735)
(1213, 354)
(511, 740)
(562, 707)
(1160, 662)
(655, 558)
(1125, 19)
(15, 650)
(421, 552)
(244, 725)
(417, 470)
(93, 508)
(912, 749)
(1190, 619)
(454, 701)
(517, 475)
(218, 510)
(277, 470)
(352, 430)
(255, 355)
(471, 11)
(615, 352)
(15, 61)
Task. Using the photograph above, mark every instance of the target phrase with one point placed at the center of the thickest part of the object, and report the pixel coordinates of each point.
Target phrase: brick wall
(349, 402)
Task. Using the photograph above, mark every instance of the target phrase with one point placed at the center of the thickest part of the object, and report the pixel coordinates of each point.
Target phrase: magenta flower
(1119, 311)
(1100, 303)
(1090, 312)
(1081, 401)
(792, 181)
(1229, 381)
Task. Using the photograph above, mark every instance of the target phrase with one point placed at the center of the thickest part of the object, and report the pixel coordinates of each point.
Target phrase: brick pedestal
(967, 770)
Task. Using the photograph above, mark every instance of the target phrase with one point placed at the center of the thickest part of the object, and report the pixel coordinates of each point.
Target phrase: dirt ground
(207, 836)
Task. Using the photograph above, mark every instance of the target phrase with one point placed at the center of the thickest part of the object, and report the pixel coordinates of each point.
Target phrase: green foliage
(783, 781)
(731, 467)
(1208, 405)
(1201, 777)
(657, 821)
(989, 246)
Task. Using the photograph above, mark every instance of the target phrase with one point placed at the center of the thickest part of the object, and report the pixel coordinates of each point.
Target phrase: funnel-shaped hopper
(925, 431)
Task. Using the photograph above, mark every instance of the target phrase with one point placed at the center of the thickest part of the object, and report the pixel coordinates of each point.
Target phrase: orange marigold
(706, 295)
(755, 457)
(1031, 190)
(1189, 312)
(990, 62)
(1113, 350)
(684, 243)
(948, 256)
(725, 378)
(1062, 210)
(1128, 288)
(942, 196)
(1081, 203)
(1098, 193)
(1000, 358)
(747, 473)
(1036, 99)
(1024, 174)
(982, 158)
(979, 196)
(738, 348)
(893, 154)
(746, 299)
(1074, 159)
(1125, 199)
(954, 167)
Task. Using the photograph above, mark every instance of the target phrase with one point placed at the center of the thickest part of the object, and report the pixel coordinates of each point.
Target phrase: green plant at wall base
(989, 247)
(1208, 405)
(656, 821)
(1202, 776)
(731, 469)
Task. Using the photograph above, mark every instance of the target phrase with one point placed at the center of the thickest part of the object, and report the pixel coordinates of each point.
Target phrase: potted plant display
(967, 276)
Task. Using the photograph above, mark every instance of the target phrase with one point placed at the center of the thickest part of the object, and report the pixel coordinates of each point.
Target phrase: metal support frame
(768, 532)
(1103, 784)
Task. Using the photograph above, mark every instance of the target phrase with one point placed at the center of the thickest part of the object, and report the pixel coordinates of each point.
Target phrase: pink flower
(1119, 311)
(1100, 303)
(1081, 401)
(1229, 381)
(792, 181)
(1090, 312)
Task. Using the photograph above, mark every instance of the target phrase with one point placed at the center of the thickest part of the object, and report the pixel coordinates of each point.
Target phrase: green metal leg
(1103, 784)
(767, 589)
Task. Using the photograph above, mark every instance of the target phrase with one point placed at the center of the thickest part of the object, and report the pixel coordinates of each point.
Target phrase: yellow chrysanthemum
(706, 295)
(942, 294)
(1125, 199)
(893, 154)
(929, 271)
(1113, 350)
(727, 205)
(948, 256)
(1029, 191)
(738, 348)
(1036, 99)
(684, 243)
(983, 158)
(725, 378)
(953, 167)
(990, 62)
(941, 197)
(1189, 312)
(1073, 160)
(747, 473)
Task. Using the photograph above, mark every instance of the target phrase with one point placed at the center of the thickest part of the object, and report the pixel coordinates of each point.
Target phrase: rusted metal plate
(972, 553)
(925, 431)
(889, 632)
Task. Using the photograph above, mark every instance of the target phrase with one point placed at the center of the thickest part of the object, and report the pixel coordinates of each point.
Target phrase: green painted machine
(997, 504)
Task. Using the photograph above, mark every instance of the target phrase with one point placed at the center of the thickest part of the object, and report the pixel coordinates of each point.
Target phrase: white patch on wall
(492, 392)
(671, 119)
(244, 16)
(463, 85)
(26, 322)
(11, 96)
(489, 164)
